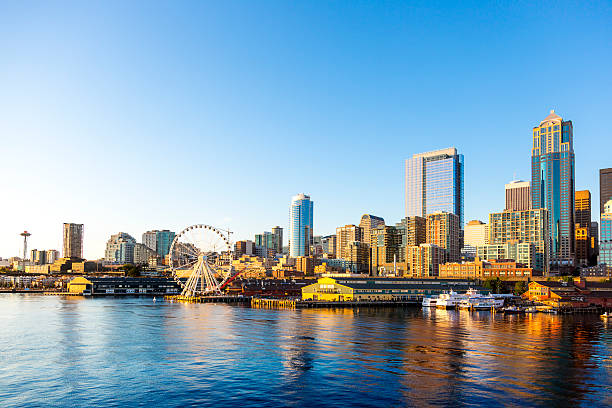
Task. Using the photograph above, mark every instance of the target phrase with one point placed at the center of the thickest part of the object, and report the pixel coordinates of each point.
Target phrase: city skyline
(143, 105)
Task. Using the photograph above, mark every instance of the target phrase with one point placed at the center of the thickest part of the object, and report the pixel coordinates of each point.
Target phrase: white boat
(449, 300)
(481, 302)
(429, 301)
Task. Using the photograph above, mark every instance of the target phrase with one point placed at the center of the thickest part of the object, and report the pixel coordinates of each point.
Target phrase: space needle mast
(25, 235)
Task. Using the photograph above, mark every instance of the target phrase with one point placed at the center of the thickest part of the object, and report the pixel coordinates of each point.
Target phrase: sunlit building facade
(434, 182)
(552, 183)
(605, 235)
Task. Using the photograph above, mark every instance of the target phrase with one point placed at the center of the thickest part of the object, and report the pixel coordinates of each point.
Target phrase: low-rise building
(123, 286)
(359, 288)
(578, 293)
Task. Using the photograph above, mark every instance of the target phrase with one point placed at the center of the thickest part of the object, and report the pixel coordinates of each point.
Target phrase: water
(132, 352)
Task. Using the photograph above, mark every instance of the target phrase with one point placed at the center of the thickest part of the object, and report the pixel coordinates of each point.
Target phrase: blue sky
(129, 116)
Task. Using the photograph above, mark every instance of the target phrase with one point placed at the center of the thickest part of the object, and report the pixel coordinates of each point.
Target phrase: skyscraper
(552, 183)
(344, 236)
(73, 240)
(120, 248)
(444, 230)
(434, 182)
(605, 235)
(368, 223)
(518, 196)
(583, 226)
(300, 225)
(278, 239)
(476, 233)
(159, 241)
(605, 187)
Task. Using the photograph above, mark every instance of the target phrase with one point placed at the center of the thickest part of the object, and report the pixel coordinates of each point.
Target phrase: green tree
(520, 287)
(132, 270)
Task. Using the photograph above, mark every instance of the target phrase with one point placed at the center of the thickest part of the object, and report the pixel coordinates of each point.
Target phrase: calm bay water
(130, 352)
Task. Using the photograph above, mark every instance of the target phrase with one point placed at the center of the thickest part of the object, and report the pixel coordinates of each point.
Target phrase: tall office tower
(358, 254)
(518, 196)
(605, 235)
(523, 226)
(582, 207)
(142, 254)
(120, 248)
(385, 245)
(605, 187)
(444, 230)
(344, 236)
(300, 225)
(552, 183)
(159, 241)
(278, 239)
(434, 182)
(412, 232)
(367, 224)
(424, 260)
(243, 248)
(476, 233)
(73, 240)
(51, 255)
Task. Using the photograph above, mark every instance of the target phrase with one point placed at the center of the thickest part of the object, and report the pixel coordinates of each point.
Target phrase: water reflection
(202, 354)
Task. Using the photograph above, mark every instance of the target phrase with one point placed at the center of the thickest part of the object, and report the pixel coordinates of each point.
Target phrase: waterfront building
(444, 230)
(51, 255)
(605, 235)
(583, 240)
(605, 188)
(142, 254)
(476, 233)
(518, 196)
(521, 252)
(73, 240)
(523, 226)
(359, 256)
(120, 249)
(338, 288)
(480, 269)
(423, 261)
(552, 184)
(300, 225)
(123, 286)
(344, 236)
(385, 245)
(579, 293)
(367, 224)
(434, 182)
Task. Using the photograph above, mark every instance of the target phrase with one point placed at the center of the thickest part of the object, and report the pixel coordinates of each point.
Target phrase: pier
(208, 299)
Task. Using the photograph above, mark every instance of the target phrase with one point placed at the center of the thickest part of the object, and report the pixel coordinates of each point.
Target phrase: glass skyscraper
(300, 225)
(434, 182)
(605, 236)
(552, 183)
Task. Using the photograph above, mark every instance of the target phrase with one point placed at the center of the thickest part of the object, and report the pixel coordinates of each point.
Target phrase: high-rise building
(38, 257)
(605, 235)
(476, 233)
(583, 227)
(444, 230)
(523, 226)
(51, 255)
(300, 225)
(120, 248)
(159, 241)
(434, 182)
(277, 232)
(518, 196)
(143, 254)
(605, 188)
(367, 224)
(385, 245)
(524, 252)
(73, 240)
(424, 260)
(344, 236)
(329, 246)
(594, 242)
(358, 256)
(552, 183)
(244, 248)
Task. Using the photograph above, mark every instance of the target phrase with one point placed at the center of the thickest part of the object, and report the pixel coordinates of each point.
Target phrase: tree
(132, 270)
(495, 285)
(520, 287)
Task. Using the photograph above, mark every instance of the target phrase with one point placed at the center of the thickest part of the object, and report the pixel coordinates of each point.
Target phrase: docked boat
(481, 302)
(429, 301)
(449, 300)
(514, 310)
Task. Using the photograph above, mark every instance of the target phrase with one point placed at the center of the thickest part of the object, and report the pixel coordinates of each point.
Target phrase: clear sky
(129, 116)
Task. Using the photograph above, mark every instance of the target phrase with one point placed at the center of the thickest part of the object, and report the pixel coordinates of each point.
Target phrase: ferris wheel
(202, 254)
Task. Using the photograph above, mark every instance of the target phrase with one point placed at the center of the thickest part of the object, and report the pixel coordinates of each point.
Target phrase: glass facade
(552, 185)
(434, 182)
(605, 243)
(300, 226)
